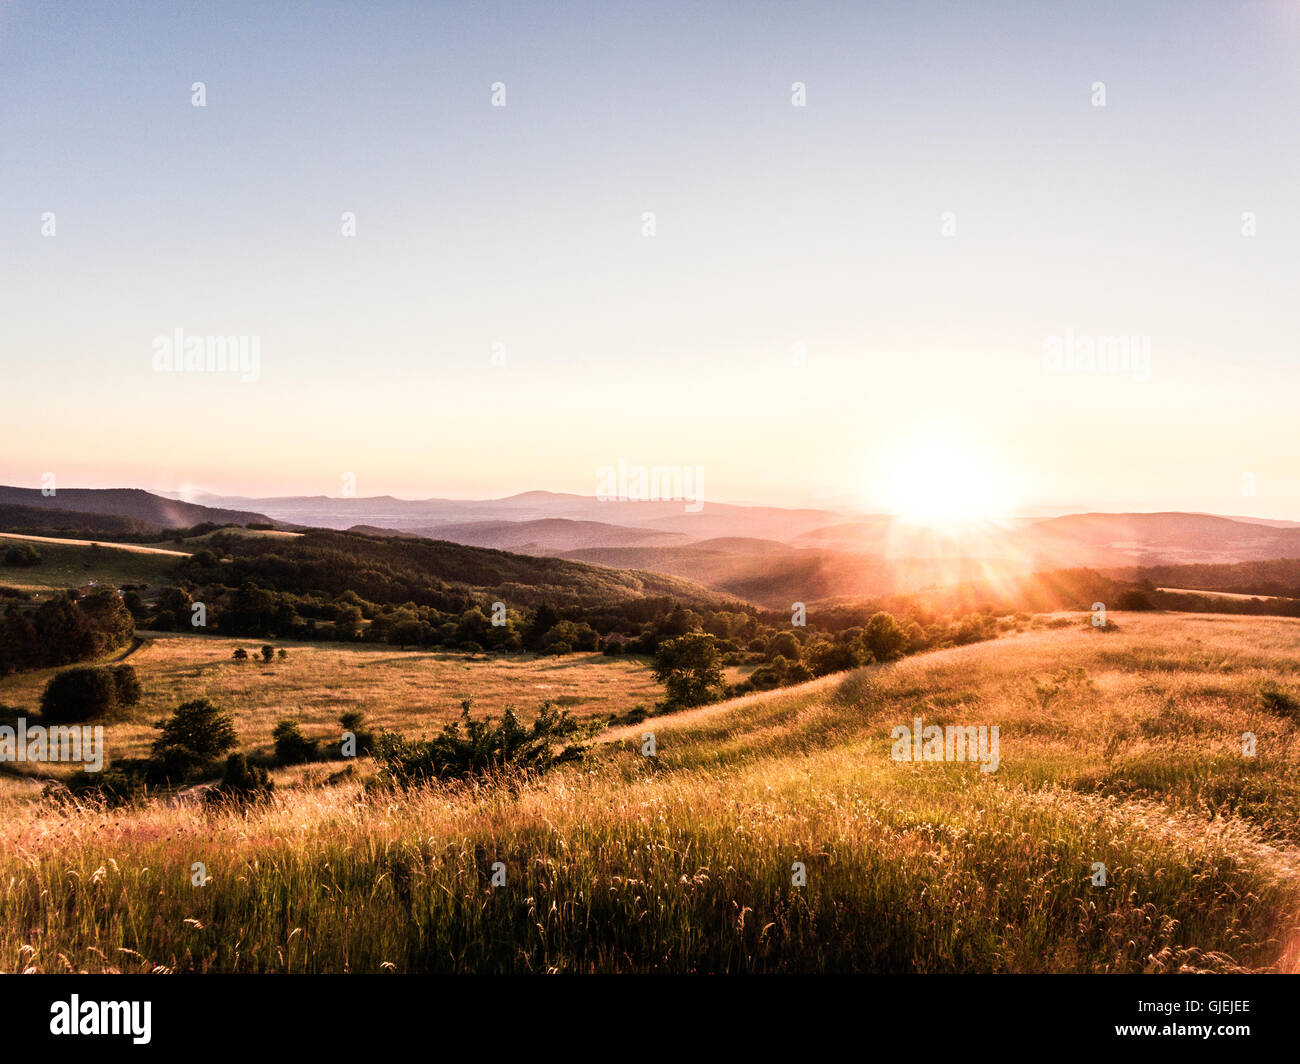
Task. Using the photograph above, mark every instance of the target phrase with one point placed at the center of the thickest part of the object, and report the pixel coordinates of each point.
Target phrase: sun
(945, 482)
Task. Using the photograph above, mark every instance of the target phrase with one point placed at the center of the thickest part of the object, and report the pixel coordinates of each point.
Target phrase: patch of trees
(690, 665)
(63, 630)
(89, 693)
(1190, 602)
(1279, 578)
(392, 570)
(191, 743)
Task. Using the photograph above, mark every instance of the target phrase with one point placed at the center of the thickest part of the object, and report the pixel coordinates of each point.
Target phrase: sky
(650, 254)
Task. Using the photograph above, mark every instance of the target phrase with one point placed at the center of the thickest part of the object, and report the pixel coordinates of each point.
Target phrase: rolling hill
(548, 535)
(398, 569)
(155, 512)
(1114, 748)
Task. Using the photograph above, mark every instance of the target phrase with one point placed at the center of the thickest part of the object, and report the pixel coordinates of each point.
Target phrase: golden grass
(75, 562)
(1122, 748)
(404, 690)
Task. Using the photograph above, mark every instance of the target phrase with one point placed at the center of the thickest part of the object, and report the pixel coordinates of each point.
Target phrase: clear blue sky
(775, 226)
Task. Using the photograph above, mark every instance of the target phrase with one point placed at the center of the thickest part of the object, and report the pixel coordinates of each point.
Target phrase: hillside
(1158, 539)
(47, 521)
(1120, 749)
(69, 563)
(406, 515)
(398, 569)
(143, 507)
(548, 535)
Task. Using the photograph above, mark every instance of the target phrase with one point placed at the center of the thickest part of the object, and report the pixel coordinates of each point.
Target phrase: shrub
(1134, 600)
(85, 693)
(240, 781)
(780, 673)
(291, 746)
(114, 787)
(268, 653)
(355, 722)
(23, 554)
(1274, 700)
(240, 654)
(127, 685)
(469, 748)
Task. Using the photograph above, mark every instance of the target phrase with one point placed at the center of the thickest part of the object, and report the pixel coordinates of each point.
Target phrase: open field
(1219, 594)
(1118, 747)
(407, 691)
(246, 533)
(75, 562)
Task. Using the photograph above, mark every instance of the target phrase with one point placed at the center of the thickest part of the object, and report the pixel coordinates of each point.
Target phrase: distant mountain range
(145, 509)
(768, 555)
(429, 516)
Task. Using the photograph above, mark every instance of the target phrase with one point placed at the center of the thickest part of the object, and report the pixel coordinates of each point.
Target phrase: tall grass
(684, 862)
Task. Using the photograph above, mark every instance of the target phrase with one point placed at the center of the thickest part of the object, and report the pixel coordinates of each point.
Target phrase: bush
(240, 654)
(1274, 700)
(80, 694)
(23, 554)
(291, 746)
(781, 673)
(114, 787)
(196, 733)
(268, 652)
(127, 686)
(469, 748)
(240, 781)
(825, 658)
(355, 722)
(1134, 600)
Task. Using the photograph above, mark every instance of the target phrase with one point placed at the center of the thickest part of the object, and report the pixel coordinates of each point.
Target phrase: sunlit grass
(684, 863)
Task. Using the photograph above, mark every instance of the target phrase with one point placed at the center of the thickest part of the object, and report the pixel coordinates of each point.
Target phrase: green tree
(74, 695)
(885, 637)
(20, 646)
(63, 634)
(690, 667)
(110, 621)
(195, 733)
(544, 619)
(783, 645)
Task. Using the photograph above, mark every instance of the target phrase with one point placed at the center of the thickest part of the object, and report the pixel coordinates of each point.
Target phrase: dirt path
(136, 644)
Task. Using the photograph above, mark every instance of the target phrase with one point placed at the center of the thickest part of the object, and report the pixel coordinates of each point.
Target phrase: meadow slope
(1121, 747)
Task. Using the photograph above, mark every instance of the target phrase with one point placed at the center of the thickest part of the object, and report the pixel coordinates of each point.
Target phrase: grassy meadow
(404, 690)
(75, 562)
(1119, 747)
